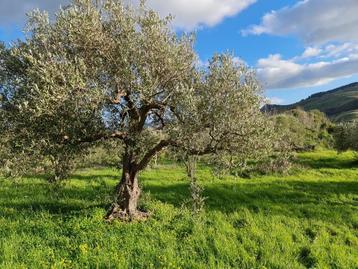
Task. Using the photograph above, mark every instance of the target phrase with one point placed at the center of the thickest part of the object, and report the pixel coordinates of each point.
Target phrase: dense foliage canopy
(104, 71)
(305, 130)
(346, 136)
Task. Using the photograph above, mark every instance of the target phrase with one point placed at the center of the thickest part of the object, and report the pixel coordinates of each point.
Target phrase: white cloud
(275, 100)
(340, 50)
(314, 21)
(275, 72)
(329, 30)
(189, 14)
(311, 52)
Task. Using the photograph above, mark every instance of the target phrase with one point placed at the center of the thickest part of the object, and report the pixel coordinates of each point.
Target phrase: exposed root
(116, 213)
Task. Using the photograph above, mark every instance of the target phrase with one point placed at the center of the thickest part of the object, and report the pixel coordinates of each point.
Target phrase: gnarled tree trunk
(127, 193)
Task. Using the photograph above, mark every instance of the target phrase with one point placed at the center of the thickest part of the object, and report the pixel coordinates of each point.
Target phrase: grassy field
(308, 219)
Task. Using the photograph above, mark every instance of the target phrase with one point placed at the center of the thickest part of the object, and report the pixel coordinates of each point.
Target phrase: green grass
(308, 219)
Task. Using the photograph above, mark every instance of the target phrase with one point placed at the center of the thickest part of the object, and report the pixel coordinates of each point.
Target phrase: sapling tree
(105, 70)
(3, 149)
(197, 199)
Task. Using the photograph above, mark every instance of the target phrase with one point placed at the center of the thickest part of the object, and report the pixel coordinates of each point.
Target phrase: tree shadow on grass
(94, 177)
(291, 199)
(64, 200)
(34, 194)
(54, 208)
(327, 162)
(317, 200)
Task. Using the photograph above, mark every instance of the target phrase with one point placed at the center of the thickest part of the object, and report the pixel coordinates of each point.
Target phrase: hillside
(340, 104)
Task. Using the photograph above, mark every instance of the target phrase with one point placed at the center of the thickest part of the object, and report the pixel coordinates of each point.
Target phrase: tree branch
(145, 109)
(161, 119)
(133, 111)
(148, 156)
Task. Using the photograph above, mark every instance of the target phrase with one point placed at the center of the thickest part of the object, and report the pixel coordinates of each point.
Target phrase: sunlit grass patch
(307, 219)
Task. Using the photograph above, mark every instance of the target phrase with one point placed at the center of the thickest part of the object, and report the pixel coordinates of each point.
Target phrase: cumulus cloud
(314, 21)
(189, 14)
(329, 31)
(311, 52)
(275, 72)
(339, 50)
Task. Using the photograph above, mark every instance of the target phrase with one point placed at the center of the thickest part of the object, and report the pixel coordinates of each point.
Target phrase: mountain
(339, 105)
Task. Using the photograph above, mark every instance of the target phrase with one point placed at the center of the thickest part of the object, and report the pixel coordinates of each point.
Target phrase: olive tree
(346, 136)
(105, 70)
(306, 129)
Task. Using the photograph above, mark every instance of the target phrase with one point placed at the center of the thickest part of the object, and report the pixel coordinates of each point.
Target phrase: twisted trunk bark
(128, 191)
(127, 195)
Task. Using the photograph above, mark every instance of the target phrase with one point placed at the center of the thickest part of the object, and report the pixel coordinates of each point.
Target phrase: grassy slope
(307, 219)
(347, 116)
(340, 104)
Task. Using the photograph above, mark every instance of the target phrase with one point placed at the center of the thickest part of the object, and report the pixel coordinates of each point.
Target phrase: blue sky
(298, 47)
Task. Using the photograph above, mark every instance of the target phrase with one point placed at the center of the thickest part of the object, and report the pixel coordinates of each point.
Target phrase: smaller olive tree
(346, 136)
(305, 129)
(222, 118)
